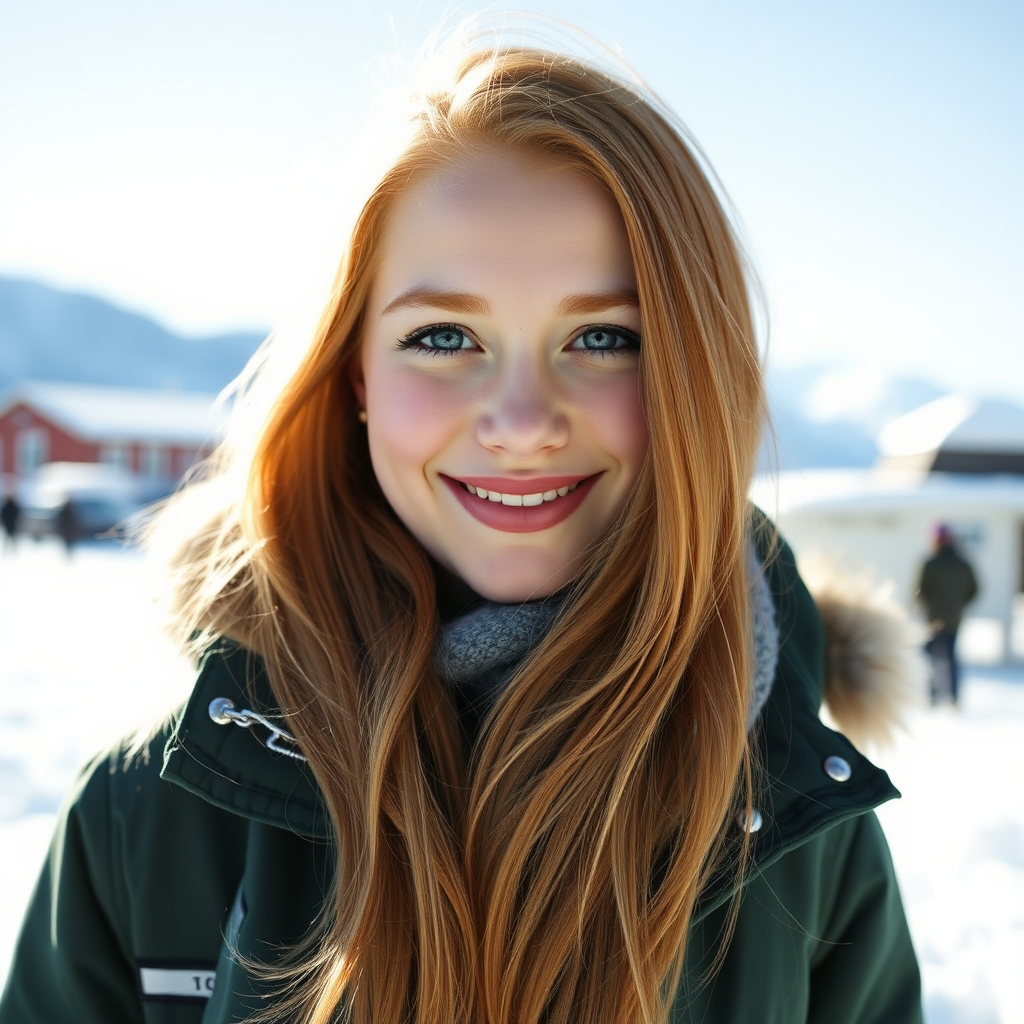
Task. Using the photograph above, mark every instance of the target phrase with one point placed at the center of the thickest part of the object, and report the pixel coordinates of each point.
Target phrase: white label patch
(176, 982)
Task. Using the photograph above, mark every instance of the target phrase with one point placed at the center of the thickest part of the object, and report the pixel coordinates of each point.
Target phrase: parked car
(93, 516)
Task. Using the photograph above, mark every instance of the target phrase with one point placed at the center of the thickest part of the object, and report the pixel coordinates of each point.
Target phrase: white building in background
(952, 461)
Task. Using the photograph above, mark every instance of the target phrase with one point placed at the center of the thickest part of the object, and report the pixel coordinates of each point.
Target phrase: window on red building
(30, 450)
(155, 463)
(116, 455)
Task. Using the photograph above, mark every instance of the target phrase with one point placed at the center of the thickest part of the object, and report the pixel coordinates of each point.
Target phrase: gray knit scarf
(479, 652)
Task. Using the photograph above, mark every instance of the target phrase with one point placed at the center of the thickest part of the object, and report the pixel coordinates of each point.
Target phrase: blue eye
(606, 339)
(437, 339)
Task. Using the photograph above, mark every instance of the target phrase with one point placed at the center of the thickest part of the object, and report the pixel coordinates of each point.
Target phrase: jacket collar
(232, 767)
(809, 777)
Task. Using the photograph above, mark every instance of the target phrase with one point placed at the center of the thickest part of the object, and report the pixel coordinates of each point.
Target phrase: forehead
(494, 211)
(495, 179)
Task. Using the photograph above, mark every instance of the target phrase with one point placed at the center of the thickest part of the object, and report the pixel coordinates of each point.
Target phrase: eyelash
(631, 338)
(412, 341)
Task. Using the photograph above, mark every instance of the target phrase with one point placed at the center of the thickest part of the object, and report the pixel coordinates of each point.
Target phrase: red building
(155, 435)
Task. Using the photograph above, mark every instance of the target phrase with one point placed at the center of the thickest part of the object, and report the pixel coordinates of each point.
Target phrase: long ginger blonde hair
(549, 873)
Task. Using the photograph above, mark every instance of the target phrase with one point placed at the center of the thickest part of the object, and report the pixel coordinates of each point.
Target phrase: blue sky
(188, 159)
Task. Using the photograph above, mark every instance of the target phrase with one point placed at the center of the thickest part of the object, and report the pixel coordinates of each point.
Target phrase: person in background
(67, 524)
(946, 584)
(10, 514)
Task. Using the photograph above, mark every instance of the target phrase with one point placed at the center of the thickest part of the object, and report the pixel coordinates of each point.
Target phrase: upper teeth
(520, 499)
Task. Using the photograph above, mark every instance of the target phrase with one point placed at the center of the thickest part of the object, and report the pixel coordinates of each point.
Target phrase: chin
(513, 581)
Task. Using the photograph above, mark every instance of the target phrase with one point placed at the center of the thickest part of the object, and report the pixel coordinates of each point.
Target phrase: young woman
(529, 692)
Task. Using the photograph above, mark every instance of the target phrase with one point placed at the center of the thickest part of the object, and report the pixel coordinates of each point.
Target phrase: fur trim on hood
(875, 668)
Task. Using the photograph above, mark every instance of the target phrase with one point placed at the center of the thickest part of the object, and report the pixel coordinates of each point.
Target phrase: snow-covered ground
(82, 661)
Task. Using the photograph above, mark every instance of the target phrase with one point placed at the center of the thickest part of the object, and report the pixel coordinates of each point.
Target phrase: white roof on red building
(109, 415)
(956, 423)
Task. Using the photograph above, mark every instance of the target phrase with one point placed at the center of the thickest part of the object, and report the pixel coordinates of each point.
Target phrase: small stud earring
(361, 416)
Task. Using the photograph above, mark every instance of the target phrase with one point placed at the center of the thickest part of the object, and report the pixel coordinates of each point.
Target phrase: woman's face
(499, 370)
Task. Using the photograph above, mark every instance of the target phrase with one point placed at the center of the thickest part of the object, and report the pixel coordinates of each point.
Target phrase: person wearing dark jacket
(67, 524)
(946, 584)
(507, 700)
(10, 516)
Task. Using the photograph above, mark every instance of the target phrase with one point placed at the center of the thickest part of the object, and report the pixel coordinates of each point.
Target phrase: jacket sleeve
(866, 971)
(71, 963)
(820, 938)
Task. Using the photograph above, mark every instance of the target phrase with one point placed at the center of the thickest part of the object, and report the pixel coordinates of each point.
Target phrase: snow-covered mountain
(830, 414)
(48, 334)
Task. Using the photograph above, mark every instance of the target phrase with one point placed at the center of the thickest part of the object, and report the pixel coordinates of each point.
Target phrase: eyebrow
(575, 305)
(465, 302)
(454, 302)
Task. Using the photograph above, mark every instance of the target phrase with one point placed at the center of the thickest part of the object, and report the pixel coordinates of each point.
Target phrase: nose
(522, 415)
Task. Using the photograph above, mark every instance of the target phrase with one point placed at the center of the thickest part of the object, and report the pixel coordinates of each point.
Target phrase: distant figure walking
(67, 525)
(10, 514)
(946, 585)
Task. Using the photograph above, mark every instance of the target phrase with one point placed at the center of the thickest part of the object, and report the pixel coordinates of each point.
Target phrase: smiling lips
(520, 506)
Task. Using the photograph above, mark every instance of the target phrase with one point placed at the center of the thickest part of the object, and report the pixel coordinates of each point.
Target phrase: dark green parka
(205, 841)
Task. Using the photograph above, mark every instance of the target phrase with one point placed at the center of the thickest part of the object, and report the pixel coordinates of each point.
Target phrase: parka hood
(875, 669)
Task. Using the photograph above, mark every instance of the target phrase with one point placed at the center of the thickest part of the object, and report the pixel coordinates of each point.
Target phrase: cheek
(617, 422)
(409, 417)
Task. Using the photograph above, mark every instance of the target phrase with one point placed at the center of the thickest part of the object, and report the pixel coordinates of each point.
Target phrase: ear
(355, 379)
